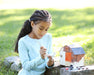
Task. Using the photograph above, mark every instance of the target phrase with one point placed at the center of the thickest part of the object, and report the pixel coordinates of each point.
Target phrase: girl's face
(40, 29)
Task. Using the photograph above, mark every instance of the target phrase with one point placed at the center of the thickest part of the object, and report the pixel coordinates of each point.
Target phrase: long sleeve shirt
(29, 53)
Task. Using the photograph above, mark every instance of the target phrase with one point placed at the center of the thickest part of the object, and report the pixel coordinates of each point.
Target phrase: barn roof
(78, 51)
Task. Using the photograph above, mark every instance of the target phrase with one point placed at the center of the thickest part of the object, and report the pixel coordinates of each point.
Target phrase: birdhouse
(72, 55)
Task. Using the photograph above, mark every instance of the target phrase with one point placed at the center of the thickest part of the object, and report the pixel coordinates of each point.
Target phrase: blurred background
(73, 22)
(57, 4)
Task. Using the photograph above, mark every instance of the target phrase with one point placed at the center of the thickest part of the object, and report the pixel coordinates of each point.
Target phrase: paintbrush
(52, 54)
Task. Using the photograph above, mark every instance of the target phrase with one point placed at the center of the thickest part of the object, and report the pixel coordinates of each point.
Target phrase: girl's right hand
(42, 52)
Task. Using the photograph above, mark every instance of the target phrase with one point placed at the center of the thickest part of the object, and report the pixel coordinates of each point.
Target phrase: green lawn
(69, 26)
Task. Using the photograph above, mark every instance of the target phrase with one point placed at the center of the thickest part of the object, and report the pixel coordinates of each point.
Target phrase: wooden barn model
(72, 55)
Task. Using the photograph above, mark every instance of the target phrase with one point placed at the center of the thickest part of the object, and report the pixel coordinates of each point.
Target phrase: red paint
(67, 68)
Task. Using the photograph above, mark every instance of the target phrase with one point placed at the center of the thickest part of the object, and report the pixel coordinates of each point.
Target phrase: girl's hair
(37, 16)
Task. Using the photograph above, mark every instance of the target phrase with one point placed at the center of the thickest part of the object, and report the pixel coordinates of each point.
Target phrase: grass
(69, 26)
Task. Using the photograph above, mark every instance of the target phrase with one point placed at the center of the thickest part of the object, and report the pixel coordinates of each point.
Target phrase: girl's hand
(51, 61)
(42, 52)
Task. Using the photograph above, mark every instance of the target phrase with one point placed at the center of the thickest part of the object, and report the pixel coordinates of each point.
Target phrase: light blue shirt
(29, 53)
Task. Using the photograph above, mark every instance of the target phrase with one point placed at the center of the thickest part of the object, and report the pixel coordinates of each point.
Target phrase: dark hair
(37, 16)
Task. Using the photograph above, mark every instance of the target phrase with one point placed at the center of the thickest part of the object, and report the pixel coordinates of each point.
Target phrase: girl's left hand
(51, 60)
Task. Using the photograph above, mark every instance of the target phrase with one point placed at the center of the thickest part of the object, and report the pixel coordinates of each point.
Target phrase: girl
(34, 44)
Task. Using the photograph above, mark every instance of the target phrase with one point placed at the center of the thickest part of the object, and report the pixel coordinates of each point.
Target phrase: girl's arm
(23, 54)
(49, 60)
